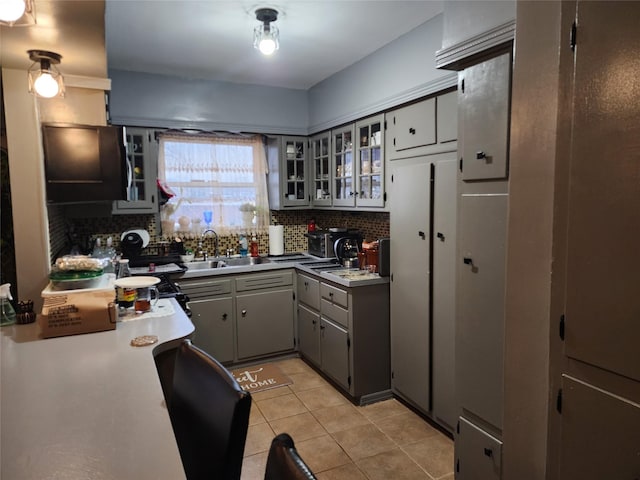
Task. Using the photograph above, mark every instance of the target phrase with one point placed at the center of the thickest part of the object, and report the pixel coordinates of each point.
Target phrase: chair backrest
(210, 416)
(284, 463)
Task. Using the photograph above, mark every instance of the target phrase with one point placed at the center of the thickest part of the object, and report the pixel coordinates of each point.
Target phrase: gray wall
(401, 71)
(139, 99)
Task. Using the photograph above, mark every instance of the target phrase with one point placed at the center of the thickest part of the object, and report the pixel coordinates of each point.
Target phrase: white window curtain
(220, 182)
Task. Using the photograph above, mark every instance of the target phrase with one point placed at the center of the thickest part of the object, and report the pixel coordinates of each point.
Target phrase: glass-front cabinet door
(370, 162)
(320, 154)
(294, 170)
(142, 152)
(343, 166)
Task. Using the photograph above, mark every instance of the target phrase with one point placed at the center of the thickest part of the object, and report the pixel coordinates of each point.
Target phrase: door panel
(444, 290)
(602, 323)
(480, 317)
(213, 322)
(410, 237)
(484, 96)
(335, 352)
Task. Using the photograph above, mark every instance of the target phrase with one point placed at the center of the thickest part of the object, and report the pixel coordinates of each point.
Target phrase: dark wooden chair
(210, 416)
(284, 463)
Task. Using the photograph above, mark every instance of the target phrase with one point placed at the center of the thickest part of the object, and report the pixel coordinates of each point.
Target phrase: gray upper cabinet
(415, 125)
(142, 154)
(343, 162)
(370, 162)
(484, 106)
(320, 162)
(288, 180)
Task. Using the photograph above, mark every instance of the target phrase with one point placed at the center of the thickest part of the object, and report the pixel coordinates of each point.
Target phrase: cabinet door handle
(330, 294)
(440, 235)
(244, 313)
(412, 131)
(480, 155)
(224, 316)
(488, 452)
(322, 327)
(468, 261)
(421, 234)
(314, 322)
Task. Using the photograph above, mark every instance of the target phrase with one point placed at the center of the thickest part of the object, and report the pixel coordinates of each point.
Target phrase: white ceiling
(212, 39)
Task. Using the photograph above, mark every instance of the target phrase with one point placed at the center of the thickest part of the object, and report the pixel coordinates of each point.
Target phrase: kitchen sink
(224, 262)
(203, 265)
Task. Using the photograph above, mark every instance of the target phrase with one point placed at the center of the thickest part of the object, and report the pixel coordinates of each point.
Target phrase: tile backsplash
(65, 232)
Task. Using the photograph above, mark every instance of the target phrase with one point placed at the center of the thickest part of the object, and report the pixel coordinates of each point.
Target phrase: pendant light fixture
(266, 36)
(16, 13)
(45, 80)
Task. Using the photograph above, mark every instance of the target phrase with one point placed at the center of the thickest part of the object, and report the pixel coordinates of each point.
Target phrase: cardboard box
(73, 313)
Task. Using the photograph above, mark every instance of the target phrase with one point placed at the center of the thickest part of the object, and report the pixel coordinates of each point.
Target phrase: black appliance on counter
(321, 242)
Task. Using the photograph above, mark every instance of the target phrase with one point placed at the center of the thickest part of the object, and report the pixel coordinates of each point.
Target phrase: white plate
(136, 282)
(143, 234)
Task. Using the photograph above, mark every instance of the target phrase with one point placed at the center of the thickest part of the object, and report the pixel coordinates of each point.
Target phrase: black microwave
(84, 163)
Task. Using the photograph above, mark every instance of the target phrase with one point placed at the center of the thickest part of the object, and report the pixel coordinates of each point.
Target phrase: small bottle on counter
(125, 296)
(254, 247)
(243, 243)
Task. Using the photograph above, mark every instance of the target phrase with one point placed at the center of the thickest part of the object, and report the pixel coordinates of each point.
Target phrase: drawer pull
(224, 316)
(244, 313)
(488, 452)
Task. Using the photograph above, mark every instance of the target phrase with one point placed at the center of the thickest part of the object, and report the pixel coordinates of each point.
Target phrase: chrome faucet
(215, 244)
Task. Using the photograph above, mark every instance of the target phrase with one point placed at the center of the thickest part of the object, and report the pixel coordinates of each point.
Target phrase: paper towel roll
(276, 239)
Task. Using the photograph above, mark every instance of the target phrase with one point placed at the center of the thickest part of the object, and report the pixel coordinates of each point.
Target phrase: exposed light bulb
(11, 10)
(267, 46)
(46, 85)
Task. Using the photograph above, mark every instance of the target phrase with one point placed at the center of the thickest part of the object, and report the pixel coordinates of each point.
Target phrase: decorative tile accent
(373, 225)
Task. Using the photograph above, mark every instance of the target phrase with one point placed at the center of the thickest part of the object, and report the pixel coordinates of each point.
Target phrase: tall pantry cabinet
(483, 118)
(599, 396)
(421, 148)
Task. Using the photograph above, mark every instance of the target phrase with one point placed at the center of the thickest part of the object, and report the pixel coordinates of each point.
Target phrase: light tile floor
(384, 440)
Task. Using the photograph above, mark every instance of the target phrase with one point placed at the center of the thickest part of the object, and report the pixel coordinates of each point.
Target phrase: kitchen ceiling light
(45, 80)
(266, 36)
(16, 13)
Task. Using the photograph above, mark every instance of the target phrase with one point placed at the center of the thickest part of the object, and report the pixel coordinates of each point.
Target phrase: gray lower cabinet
(211, 304)
(264, 313)
(264, 322)
(213, 323)
(344, 332)
(244, 316)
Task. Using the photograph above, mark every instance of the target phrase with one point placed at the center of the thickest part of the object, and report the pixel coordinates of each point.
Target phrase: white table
(87, 406)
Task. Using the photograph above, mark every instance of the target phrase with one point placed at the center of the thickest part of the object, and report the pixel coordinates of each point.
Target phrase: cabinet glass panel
(343, 165)
(370, 165)
(295, 168)
(321, 161)
(135, 156)
(141, 170)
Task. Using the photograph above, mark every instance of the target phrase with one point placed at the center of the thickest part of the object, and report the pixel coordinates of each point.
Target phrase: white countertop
(87, 406)
(309, 264)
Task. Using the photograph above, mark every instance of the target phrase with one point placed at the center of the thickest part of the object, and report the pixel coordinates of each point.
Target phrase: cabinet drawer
(335, 295)
(205, 288)
(309, 291)
(478, 454)
(335, 313)
(255, 282)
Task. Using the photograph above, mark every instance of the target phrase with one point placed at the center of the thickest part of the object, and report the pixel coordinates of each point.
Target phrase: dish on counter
(136, 282)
